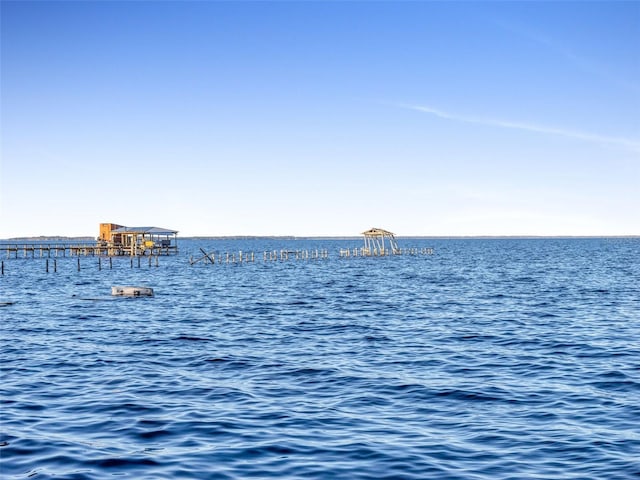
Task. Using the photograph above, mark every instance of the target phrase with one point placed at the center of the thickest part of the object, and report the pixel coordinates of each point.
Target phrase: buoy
(132, 291)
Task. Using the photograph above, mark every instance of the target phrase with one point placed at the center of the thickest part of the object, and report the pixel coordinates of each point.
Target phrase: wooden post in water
(46, 267)
(55, 265)
(78, 263)
(99, 263)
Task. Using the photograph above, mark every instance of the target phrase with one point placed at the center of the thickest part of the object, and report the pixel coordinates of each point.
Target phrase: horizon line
(328, 237)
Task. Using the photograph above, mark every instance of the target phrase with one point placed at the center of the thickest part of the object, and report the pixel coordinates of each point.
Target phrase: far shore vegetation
(62, 238)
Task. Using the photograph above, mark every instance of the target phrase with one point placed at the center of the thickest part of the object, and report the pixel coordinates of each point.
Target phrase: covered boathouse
(374, 242)
(121, 240)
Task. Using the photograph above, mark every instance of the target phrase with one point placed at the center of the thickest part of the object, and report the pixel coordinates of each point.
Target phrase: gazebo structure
(120, 240)
(374, 242)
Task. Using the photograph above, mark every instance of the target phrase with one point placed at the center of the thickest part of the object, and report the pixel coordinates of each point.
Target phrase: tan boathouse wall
(105, 231)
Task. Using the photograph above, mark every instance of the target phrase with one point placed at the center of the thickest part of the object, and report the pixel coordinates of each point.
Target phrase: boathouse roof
(376, 232)
(145, 230)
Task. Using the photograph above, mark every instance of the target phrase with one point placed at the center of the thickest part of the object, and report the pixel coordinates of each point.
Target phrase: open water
(490, 359)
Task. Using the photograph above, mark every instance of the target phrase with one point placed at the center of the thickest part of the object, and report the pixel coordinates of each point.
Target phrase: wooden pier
(101, 258)
(383, 252)
(218, 258)
(150, 242)
(267, 256)
(53, 250)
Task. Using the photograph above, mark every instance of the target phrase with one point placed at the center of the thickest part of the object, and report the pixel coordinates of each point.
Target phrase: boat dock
(113, 241)
(77, 249)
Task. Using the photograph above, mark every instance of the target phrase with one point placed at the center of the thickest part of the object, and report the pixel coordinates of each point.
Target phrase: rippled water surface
(490, 359)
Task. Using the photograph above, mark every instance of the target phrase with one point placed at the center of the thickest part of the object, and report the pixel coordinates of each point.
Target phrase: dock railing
(49, 250)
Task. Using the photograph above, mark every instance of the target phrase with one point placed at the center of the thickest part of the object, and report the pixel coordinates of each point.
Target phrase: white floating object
(132, 291)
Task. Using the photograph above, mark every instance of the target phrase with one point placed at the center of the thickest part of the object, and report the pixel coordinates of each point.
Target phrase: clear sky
(321, 118)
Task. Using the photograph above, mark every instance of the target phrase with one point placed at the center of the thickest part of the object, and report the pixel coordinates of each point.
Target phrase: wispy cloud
(588, 137)
(582, 63)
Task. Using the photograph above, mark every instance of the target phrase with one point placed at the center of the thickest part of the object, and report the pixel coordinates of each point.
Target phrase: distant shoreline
(61, 238)
(414, 237)
(49, 238)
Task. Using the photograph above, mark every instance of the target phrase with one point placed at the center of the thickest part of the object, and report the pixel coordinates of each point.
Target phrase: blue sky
(321, 118)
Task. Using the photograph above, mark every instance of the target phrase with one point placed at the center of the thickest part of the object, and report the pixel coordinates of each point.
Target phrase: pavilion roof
(145, 230)
(376, 232)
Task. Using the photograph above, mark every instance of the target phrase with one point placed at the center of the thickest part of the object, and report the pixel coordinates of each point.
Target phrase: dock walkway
(48, 250)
